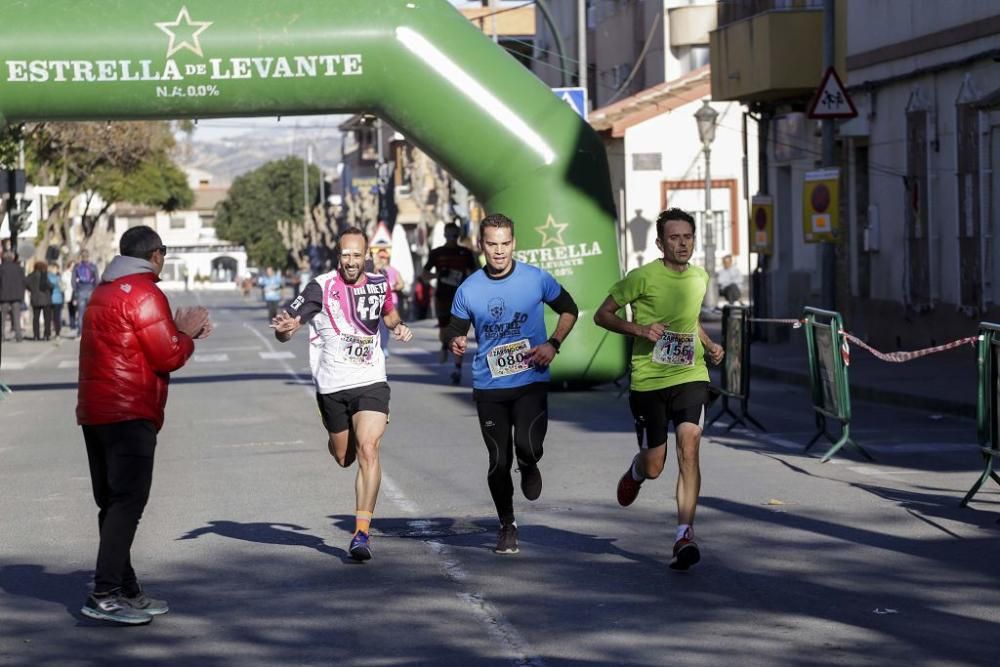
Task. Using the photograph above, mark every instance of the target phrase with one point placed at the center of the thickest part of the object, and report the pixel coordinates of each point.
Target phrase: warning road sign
(831, 99)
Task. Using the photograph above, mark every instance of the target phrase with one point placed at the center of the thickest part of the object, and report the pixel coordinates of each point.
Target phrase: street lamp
(706, 117)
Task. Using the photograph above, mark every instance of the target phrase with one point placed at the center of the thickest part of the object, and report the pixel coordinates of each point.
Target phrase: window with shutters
(970, 236)
(918, 259)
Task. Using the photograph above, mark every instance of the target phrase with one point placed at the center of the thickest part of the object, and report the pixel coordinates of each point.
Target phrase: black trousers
(121, 473)
(57, 318)
(512, 421)
(37, 313)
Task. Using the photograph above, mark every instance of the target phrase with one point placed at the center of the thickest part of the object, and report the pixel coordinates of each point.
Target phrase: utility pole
(493, 21)
(829, 252)
(581, 42)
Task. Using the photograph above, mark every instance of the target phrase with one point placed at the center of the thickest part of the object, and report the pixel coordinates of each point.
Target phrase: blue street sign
(575, 97)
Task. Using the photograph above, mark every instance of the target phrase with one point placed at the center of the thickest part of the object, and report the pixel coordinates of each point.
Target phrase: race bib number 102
(674, 349)
(508, 359)
(357, 350)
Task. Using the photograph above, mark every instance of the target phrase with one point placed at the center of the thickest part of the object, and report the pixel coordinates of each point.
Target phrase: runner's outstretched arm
(299, 312)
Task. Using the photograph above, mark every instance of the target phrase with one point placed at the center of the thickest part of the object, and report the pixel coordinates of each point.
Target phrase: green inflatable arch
(417, 63)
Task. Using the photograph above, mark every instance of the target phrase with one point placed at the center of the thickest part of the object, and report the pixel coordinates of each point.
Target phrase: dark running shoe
(531, 482)
(143, 602)
(361, 547)
(628, 488)
(686, 554)
(507, 539)
(114, 608)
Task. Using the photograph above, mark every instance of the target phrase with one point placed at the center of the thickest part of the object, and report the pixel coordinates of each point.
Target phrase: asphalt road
(844, 563)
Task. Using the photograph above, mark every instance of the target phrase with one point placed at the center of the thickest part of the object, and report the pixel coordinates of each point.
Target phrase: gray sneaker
(143, 602)
(507, 539)
(114, 608)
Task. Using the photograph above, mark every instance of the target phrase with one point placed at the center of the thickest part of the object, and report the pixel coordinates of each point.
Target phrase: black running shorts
(338, 408)
(655, 410)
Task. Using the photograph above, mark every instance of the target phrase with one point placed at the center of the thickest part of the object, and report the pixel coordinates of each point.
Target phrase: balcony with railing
(766, 50)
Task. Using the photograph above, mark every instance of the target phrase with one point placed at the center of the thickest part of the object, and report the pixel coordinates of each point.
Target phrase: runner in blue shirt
(510, 371)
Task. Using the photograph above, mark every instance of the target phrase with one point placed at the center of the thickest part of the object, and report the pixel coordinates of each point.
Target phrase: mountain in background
(229, 157)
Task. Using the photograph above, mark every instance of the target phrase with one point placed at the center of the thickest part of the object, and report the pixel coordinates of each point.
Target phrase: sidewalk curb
(873, 394)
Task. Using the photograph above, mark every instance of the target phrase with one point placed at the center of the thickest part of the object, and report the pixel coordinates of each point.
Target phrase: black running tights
(511, 420)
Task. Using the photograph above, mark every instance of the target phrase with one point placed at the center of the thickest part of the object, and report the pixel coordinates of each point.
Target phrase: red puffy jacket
(129, 346)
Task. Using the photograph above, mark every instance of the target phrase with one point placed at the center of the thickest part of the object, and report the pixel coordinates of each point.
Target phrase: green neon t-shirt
(659, 294)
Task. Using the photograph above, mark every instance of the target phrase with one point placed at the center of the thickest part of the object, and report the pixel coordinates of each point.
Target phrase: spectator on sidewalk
(130, 344)
(729, 280)
(58, 298)
(69, 297)
(12, 286)
(271, 283)
(84, 283)
(41, 300)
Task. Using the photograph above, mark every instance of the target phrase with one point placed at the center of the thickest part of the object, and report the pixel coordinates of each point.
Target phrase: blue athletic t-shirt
(508, 316)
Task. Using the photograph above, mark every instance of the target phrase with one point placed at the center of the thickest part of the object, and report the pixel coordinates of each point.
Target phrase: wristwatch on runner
(554, 342)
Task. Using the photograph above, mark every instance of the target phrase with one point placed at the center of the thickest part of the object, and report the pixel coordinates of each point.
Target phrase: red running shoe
(628, 488)
(686, 554)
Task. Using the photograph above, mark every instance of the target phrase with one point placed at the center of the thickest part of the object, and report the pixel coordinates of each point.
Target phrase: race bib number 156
(674, 349)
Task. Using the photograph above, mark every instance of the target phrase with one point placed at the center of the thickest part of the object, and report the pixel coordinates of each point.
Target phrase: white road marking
(69, 363)
(286, 443)
(502, 631)
(210, 358)
(21, 365)
(276, 355)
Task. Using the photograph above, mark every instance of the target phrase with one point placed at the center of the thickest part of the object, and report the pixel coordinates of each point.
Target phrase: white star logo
(189, 41)
(551, 232)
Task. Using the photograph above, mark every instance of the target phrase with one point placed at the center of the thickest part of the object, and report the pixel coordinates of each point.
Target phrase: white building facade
(196, 257)
(923, 186)
(657, 162)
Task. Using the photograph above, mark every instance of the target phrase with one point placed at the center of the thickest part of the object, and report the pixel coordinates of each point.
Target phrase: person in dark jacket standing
(130, 343)
(41, 300)
(11, 293)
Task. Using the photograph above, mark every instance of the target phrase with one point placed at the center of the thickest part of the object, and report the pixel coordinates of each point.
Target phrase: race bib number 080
(508, 359)
(674, 349)
(357, 350)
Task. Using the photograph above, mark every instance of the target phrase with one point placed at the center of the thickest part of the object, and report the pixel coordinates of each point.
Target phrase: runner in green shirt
(669, 375)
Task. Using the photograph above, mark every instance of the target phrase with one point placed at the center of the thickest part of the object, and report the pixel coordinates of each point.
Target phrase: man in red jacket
(130, 344)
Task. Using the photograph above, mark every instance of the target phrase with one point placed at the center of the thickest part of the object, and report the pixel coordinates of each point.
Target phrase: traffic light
(12, 180)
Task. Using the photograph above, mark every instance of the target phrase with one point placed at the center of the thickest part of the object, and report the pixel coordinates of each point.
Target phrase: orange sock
(362, 521)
